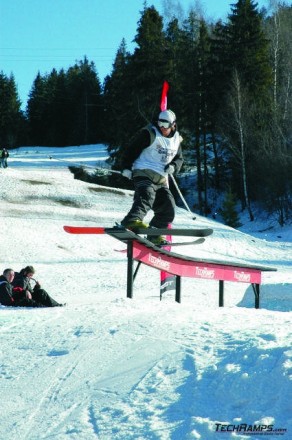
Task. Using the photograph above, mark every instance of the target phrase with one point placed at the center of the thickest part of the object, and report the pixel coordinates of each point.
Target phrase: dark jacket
(20, 284)
(143, 139)
(40, 298)
(6, 294)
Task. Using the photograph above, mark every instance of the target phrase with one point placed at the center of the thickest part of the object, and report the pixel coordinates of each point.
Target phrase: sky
(39, 35)
(106, 367)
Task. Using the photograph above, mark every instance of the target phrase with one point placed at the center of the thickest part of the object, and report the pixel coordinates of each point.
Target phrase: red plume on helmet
(163, 100)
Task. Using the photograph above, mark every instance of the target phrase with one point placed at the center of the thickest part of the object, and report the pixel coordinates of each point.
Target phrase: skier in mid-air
(154, 153)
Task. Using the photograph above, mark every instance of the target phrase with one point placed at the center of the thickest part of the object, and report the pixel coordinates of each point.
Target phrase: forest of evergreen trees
(230, 87)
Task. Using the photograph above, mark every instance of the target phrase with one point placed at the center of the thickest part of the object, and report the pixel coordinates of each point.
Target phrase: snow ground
(111, 368)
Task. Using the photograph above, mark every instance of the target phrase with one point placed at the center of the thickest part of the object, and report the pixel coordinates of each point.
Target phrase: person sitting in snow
(153, 155)
(17, 291)
(22, 288)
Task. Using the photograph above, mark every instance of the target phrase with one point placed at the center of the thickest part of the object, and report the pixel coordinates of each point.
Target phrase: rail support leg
(256, 289)
(221, 293)
(130, 278)
(178, 288)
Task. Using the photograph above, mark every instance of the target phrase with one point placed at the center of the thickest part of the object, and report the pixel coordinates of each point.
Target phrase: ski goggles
(163, 123)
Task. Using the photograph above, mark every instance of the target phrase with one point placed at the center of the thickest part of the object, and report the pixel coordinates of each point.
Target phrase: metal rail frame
(131, 275)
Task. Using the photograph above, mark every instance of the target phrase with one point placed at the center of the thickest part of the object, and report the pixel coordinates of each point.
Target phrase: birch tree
(237, 134)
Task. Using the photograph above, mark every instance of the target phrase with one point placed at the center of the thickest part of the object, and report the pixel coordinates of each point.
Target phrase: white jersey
(159, 154)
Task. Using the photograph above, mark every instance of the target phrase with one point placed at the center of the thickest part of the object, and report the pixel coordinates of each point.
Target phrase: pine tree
(176, 65)
(203, 56)
(11, 117)
(194, 77)
(132, 94)
(86, 103)
(148, 66)
(189, 73)
(36, 111)
(248, 48)
(66, 108)
(228, 211)
(117, 106)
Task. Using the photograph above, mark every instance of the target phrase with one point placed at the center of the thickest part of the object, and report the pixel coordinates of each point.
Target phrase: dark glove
(169, 169)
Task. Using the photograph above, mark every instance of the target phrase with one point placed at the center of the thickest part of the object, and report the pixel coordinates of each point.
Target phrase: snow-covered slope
(107, 367)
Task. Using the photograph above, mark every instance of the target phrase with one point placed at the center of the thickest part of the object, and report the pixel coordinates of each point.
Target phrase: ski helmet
(167, 115)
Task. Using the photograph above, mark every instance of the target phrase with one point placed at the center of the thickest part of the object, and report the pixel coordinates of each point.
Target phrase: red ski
(84, 229)
(190, 232)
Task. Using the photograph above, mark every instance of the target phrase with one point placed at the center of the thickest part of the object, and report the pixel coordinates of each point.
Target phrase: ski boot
(160, 240)
(134, 225)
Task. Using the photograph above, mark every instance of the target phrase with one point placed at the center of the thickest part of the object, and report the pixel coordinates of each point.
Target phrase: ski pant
(157, 197)
(40, 298)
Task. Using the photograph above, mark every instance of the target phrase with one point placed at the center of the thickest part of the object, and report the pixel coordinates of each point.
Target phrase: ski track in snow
(108, 368)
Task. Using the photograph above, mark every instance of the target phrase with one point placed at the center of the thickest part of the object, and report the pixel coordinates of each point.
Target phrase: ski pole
(108, 170)
(180, 194)
(85, 166)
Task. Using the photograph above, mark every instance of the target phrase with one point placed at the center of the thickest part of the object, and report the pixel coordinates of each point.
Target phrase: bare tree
(173, 9)
(236, 131)
(278, 29)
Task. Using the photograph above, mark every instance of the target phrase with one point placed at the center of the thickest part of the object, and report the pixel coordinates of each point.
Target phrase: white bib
(159, 154)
